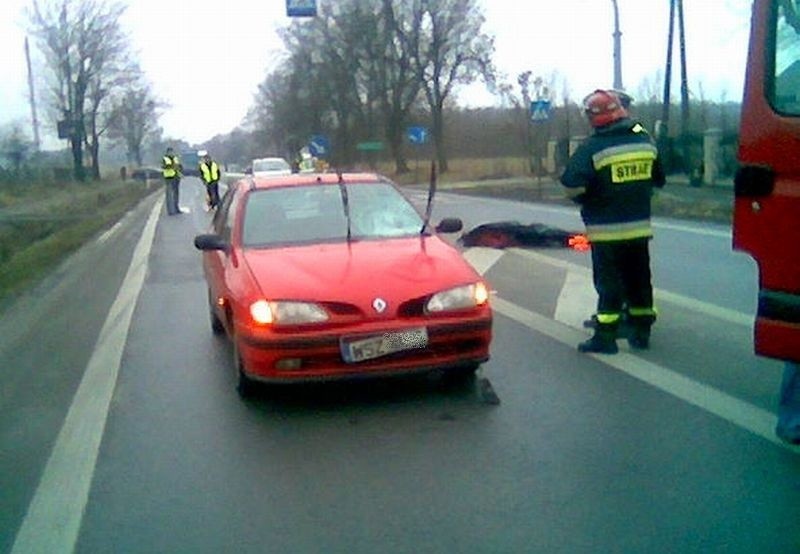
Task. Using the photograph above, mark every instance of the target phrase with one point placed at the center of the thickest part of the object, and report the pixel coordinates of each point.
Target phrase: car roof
(304, 179)
(272, 159)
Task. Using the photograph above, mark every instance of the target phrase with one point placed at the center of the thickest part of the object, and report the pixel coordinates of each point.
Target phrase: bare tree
(133, 117)
(451, 50)
(81, 41)
(394, 68)
(351, 70)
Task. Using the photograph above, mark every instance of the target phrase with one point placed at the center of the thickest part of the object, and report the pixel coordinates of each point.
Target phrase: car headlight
(284, 312)
(458, 298)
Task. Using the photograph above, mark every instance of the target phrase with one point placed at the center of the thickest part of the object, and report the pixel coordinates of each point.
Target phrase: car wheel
(244, 385)
(216, 324)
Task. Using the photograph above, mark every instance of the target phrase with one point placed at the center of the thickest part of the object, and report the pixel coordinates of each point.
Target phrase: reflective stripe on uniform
(572, 192)
(627, 162)
(608, 318)
(606, 232)
(642, 312)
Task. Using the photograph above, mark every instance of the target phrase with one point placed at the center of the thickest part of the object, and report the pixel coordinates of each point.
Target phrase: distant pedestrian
(611, 176)
(210, 173)
(172, 170)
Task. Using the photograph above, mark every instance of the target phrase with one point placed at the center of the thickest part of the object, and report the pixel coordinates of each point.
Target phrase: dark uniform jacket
(611, 176)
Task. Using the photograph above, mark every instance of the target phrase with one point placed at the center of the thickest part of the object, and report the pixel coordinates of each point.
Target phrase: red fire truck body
(767, 205)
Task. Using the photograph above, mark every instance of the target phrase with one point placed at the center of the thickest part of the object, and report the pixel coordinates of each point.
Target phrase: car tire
(216, 323)
(244, 385)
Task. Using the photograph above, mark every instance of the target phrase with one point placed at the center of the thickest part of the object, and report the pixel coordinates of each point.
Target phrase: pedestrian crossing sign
(540, 110)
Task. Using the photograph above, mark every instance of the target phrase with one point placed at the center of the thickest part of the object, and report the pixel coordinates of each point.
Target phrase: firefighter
(611, 176)
(210, 173)
(172, 170)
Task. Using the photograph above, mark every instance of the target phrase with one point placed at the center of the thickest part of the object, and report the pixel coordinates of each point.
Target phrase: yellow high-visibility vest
(170, 167)
(210, 171)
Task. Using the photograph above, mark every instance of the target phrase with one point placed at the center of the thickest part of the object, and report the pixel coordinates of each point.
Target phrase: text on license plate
(356, 350)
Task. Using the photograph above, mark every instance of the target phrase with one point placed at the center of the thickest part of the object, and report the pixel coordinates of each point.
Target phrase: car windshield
(315, 213)
(271, 165)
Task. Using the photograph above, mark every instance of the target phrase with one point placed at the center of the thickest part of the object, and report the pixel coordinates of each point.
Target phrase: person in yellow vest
(210, 173)
(172, 170)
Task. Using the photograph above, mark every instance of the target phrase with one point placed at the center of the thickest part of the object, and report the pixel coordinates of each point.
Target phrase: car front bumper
(317, 356)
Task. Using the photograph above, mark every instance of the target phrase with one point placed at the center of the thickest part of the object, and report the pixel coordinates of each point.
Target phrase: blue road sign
(301, 8)
(319, 146)
(540, 110)
(417, 135)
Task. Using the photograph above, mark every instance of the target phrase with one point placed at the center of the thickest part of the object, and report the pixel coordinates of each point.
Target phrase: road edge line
(55, 513)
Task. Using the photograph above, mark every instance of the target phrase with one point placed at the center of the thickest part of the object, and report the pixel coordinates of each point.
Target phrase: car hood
(395, 270)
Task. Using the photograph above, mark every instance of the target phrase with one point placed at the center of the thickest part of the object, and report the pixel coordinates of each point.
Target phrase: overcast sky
(206, 58)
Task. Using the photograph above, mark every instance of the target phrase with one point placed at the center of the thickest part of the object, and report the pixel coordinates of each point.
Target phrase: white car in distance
(270, 167)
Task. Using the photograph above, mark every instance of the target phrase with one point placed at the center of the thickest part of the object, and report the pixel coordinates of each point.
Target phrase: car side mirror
(449, 225)
(210, 242)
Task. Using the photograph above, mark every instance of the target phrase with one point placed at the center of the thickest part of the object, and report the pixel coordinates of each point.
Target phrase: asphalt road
(121, 431)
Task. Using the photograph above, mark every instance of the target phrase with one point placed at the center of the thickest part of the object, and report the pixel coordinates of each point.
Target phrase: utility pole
(35, 119)
(668, 72)
(684, 91)
(662, 131)
(617, 49)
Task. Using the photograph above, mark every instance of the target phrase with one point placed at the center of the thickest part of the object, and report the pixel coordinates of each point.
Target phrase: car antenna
(431, 194)
(345, 202)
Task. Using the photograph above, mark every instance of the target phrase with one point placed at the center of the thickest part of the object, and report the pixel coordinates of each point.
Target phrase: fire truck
(767, 185)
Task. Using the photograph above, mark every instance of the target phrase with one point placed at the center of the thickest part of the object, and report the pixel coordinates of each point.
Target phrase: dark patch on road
(486, 392)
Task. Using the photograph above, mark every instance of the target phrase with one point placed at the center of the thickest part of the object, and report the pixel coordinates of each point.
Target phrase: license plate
(360, 349)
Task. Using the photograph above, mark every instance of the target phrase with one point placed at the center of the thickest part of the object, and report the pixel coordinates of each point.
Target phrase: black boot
(604, 340)
(639, 337)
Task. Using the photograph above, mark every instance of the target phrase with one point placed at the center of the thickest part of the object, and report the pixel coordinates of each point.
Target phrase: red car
(318, 277)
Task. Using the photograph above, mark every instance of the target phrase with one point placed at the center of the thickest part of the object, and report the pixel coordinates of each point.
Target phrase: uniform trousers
(621, 274)
(172, 189)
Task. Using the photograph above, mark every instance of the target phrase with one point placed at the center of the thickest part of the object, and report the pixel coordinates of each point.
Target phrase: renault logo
(379, 304)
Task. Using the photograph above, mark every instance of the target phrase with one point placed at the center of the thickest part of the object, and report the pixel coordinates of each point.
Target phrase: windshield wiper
(345, 203)
(431, 193)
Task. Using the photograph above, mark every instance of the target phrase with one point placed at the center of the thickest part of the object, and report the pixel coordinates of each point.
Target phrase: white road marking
(577, 300)
(742, 414)
(105, 236)
(482, 259)
(54, 515)
(724, 314)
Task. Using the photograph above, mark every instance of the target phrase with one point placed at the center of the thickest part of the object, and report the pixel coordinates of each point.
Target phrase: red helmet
(603, 107)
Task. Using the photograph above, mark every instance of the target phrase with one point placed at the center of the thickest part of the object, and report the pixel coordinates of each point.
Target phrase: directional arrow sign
(417, 135)
(319, 146)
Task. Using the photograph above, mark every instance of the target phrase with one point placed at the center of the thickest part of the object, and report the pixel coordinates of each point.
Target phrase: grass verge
(36, 240)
